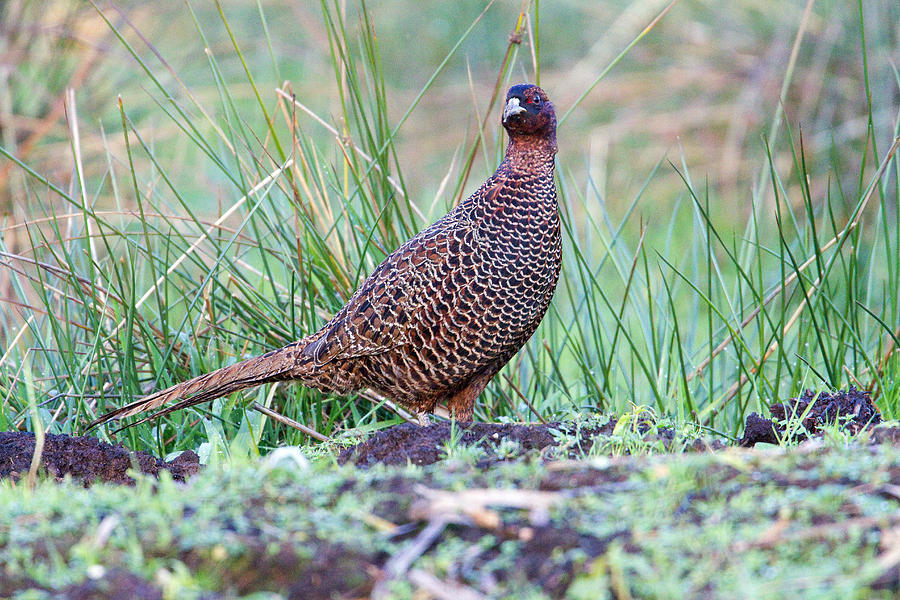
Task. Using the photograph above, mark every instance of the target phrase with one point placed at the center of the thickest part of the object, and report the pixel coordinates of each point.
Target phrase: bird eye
(536, 99)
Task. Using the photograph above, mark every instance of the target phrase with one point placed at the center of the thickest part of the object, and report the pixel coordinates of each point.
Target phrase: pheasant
(444, 312)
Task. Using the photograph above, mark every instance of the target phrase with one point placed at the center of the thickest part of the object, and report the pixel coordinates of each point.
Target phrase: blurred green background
(704, 83)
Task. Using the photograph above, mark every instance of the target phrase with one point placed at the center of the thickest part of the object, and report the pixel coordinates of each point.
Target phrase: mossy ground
(817, 520)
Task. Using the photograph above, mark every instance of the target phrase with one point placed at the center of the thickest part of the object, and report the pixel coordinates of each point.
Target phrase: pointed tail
(277, 365)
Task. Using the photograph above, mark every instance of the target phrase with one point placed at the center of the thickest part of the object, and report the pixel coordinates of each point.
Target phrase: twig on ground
(775, 535)
(290, 422)
(472, 505)
(400, 563)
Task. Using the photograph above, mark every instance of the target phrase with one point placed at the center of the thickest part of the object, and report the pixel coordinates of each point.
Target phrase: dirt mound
(89, 459)
(803, 417)
(410, 443)
(85, 458)
(426, 445)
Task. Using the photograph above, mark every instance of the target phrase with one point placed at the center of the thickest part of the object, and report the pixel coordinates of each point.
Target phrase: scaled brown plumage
(446, 310)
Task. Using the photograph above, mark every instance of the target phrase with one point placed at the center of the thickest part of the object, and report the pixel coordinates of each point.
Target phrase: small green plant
(794, 429)
(507, 448)
(837, 433)
(635, 432)
(453, 448)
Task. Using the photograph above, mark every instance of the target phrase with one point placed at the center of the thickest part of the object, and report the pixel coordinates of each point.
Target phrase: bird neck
(530, 154)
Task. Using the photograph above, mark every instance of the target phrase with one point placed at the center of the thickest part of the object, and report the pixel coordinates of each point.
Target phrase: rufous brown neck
(530, 153)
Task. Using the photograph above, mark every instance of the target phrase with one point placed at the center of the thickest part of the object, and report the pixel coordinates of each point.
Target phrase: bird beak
(512, 108)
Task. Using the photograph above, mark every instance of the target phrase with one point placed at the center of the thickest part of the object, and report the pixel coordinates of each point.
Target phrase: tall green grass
(126, 285)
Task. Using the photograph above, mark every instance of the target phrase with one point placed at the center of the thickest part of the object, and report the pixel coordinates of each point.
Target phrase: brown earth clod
(852, 410)
(86, 459)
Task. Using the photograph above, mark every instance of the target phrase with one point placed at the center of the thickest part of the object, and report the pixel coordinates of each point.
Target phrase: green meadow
(185, 185)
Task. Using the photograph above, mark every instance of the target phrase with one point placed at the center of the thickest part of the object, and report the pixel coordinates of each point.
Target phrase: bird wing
(381, 312)
(390, 301)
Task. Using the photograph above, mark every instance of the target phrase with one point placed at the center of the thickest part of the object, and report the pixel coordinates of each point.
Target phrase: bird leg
(462, 403)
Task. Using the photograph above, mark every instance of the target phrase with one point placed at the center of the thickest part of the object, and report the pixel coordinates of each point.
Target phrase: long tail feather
(274, 366)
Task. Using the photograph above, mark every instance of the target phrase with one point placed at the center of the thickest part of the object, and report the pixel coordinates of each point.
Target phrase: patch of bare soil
(410, 443)
(85, 458)
(89, 459)
(852, 410)
(549, 553)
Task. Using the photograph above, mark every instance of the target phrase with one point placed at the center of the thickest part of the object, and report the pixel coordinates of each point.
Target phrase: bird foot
(423, 419)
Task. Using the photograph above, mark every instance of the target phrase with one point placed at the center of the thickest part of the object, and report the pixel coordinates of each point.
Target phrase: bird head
(529, 112)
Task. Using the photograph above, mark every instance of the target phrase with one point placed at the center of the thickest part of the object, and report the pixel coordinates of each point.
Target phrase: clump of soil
(85, 458)
(89, 459)
(852, 409)
(410, 443)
